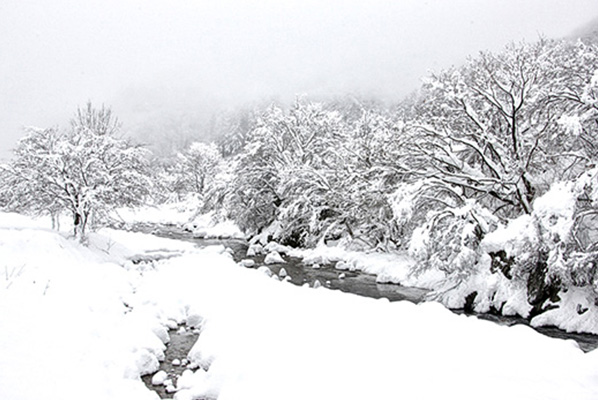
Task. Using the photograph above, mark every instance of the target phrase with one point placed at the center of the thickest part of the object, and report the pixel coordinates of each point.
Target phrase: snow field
(86, 323)
(270, 340)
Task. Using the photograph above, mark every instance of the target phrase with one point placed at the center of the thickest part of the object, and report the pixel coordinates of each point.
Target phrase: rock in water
(194, 321)
(170, 389)
(342, 265)
(274, 258)
(159, 378)
(200, 233)
(162, 333)
(247, 263)
(254, 250)
(171, 324)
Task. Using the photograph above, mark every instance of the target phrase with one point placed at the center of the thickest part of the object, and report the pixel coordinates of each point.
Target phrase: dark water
(348, 281)
(178, 348)
(355, 282)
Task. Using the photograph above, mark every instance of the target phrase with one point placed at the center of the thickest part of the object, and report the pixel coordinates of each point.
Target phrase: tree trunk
(80, 223)
(55, 220)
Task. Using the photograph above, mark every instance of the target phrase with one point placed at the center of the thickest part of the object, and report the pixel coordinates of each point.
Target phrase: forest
(486, 176)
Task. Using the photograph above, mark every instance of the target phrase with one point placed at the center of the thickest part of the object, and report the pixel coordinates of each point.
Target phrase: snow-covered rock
(248, 263)
(194, 320)
(171, 324)
(176, 362)
(146, 362)
(254, 250)
(170, 388)
(200, 233)
(162, 333)
(344, 265)
(159, 378)
(282, 273)
(274, 258)
(276, 247)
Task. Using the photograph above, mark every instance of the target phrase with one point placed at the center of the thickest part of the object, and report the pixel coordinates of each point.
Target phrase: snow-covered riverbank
(87, 322)
(488, 290)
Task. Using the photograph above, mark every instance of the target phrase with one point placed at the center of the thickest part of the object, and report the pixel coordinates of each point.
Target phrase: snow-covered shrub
(450, 240)
(568, 215)
(554, 248)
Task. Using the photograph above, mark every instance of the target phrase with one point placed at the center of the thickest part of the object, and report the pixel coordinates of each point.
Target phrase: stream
(298, 273)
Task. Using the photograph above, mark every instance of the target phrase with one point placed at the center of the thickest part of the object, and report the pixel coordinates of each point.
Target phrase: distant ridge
(588, 32)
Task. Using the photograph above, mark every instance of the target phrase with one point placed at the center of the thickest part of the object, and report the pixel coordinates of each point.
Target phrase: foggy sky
(152, 58)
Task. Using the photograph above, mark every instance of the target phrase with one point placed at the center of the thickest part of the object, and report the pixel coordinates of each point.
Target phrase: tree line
(472, 150)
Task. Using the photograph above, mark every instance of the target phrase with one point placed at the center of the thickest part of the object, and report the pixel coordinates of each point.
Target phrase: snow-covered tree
(499, 128)
(85, 170)
(197, 166)
(284, 169)
(319, 173)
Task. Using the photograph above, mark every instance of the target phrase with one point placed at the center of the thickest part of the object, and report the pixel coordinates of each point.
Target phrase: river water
(298, 273)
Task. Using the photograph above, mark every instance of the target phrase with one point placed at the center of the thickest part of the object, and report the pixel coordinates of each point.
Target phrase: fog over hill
(588, 31)
(167, 69)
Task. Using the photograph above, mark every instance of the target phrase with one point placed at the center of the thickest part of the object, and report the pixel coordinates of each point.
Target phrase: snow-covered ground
(81, 322)
(185, 215)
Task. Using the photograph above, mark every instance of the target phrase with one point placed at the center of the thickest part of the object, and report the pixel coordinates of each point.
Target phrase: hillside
(588, 31)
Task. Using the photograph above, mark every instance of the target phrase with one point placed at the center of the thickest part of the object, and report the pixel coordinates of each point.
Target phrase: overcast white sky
(150, 57)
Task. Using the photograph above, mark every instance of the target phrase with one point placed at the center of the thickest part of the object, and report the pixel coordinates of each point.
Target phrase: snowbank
(169, 213)
(65, 330)
(68, 331)
(18, 221)
(211, 225)
(388, 267)
(263, 339)
(184, 214)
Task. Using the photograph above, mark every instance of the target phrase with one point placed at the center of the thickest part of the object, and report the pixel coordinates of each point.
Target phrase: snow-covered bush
(450, 240)
(568, 215)
(542, 253)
